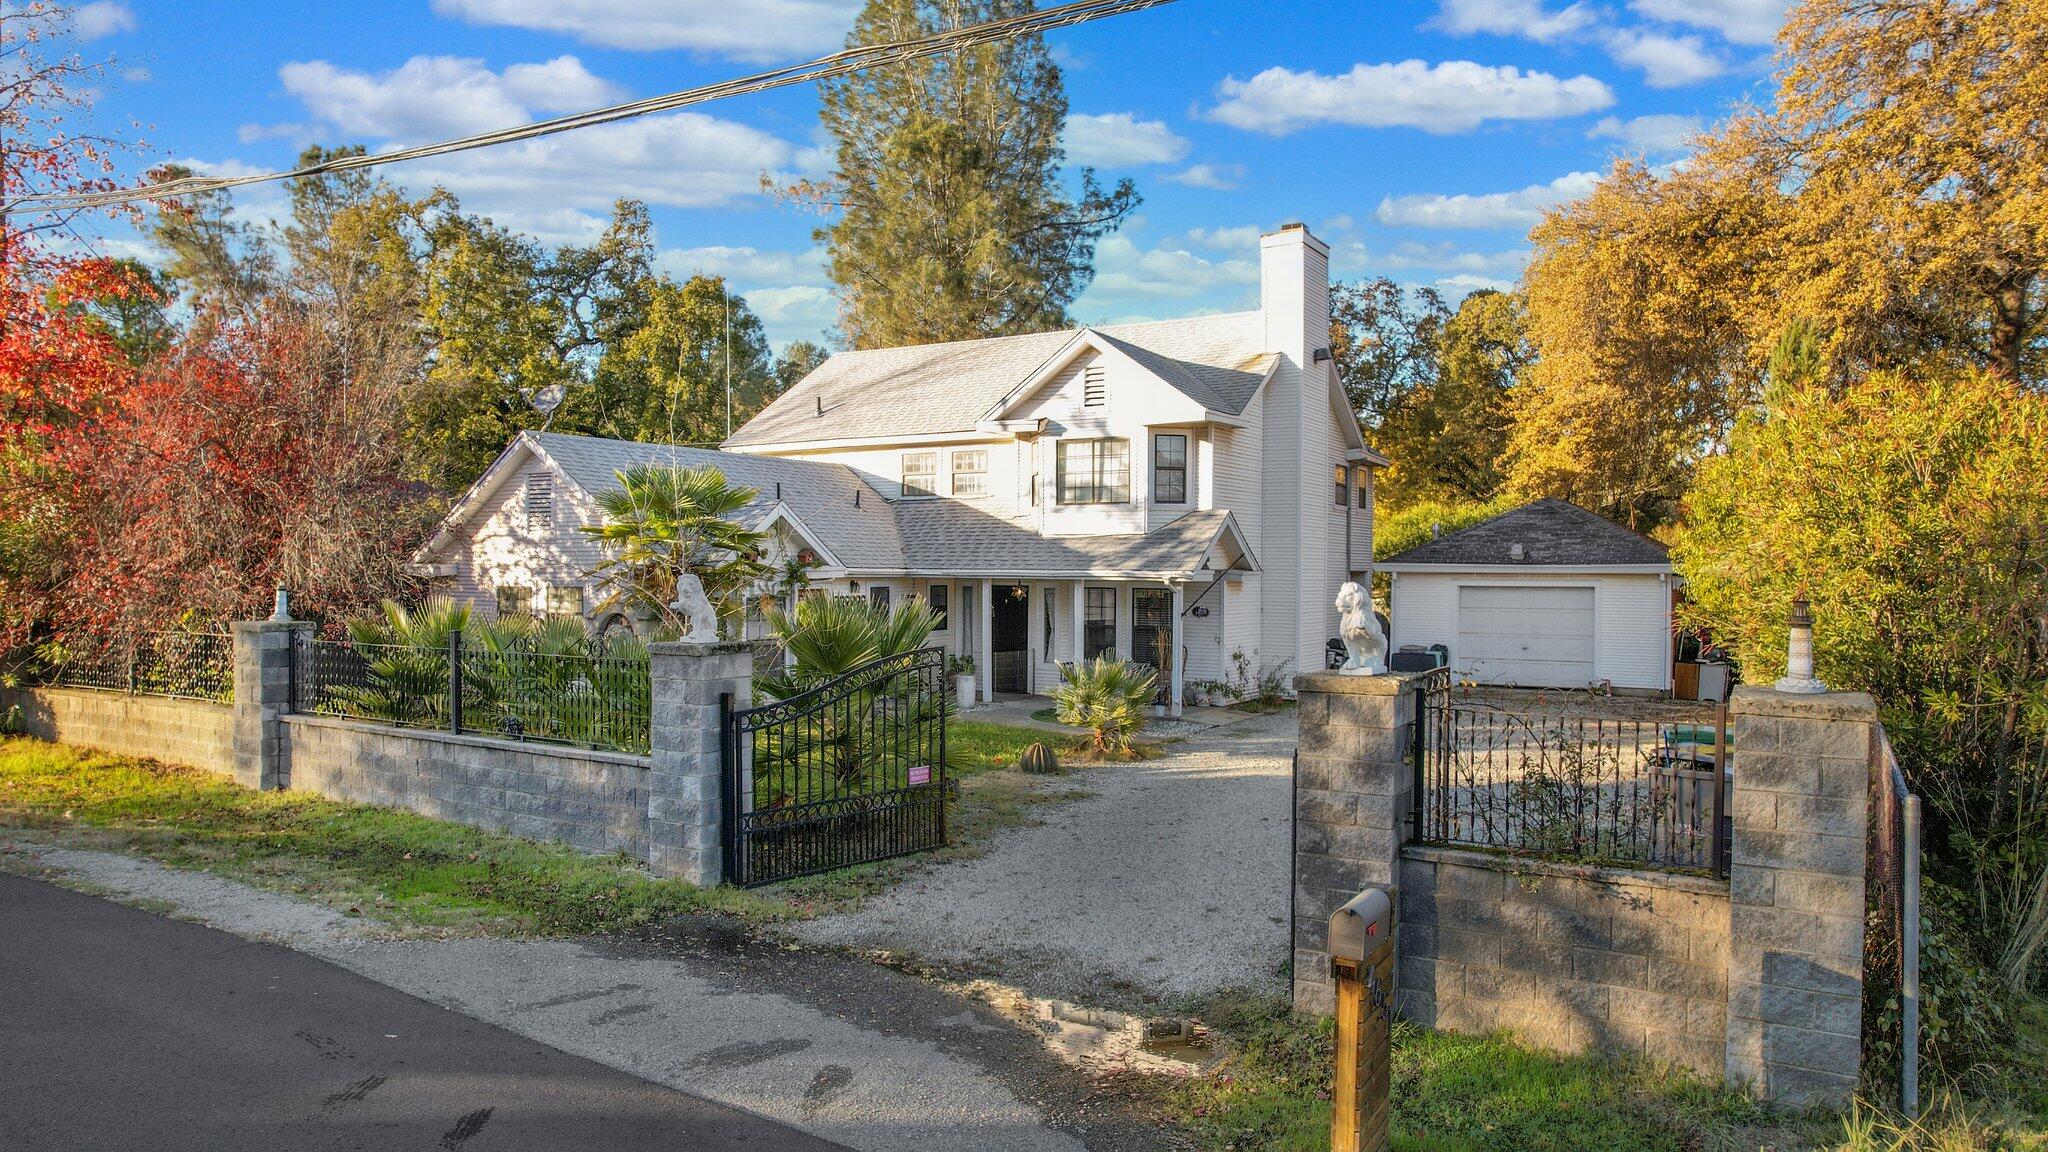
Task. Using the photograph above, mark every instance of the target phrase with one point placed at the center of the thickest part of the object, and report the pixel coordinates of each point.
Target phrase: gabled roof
(928, 389)
(817, 496)
(1552, 533)
(937, 537)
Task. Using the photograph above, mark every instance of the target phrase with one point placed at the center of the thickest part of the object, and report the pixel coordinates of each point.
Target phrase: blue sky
(1419, 138)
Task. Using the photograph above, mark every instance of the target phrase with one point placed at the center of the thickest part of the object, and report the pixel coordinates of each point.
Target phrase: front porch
(1020, 630)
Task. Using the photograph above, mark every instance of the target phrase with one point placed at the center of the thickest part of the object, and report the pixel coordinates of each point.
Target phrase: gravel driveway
(1170, 881)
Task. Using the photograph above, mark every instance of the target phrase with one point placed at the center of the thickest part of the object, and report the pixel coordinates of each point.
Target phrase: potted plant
(962, 668)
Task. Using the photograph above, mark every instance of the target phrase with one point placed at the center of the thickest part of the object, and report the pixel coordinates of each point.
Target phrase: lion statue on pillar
(1365, 644)
(694, 606)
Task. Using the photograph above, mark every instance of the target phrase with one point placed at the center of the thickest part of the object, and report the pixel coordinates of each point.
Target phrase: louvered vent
(540, 499)
(1094, 388)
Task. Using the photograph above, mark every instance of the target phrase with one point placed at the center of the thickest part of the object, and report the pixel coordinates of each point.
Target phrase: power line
(824, 68)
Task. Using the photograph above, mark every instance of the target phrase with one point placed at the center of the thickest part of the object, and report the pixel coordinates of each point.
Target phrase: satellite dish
(544, 400)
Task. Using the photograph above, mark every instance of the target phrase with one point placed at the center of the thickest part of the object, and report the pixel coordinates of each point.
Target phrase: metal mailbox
(1362, 968)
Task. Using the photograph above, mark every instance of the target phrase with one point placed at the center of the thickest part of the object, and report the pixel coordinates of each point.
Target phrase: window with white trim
(970, 472)
(1362, 485)
(1094, 471)
(1343, 486)
(565, 600)
(1170, 468)
(920, 473)
(1094, 386)
(514, 600)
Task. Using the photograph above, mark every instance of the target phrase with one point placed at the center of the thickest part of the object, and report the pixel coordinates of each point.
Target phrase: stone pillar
(1353, 774)
(1799, 812)
(685, 820)
(263, 679)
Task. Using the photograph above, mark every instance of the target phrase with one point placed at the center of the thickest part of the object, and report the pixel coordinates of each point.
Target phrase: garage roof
(1552, 533)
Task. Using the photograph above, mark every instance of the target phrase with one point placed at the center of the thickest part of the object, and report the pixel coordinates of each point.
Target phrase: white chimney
(1294, 293)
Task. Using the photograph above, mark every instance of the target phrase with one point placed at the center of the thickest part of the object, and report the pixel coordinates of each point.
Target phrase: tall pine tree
(952, 221)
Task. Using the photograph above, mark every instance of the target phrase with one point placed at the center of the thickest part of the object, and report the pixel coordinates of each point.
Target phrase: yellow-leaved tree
(1892, 201)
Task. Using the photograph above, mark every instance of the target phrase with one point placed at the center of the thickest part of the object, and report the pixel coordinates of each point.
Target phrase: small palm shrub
(1108, 698)
(829, 636)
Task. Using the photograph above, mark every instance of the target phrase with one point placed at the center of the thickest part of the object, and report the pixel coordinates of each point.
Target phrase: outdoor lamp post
(1799, 676)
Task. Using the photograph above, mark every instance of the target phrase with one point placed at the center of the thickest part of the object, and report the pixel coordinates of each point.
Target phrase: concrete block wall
(1352, 781)
(1758, 978)
(593, 801)
(1566, 957)
(195, 733)
(1800, 821)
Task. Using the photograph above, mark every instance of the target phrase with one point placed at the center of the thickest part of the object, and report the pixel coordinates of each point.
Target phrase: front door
(1010, 638)
(1152, 634)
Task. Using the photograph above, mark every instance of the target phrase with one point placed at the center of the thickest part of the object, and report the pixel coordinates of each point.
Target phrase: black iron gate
(851, 771)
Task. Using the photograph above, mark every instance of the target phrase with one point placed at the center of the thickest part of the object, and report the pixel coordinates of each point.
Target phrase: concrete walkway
(1169, 881)
(832, 1045)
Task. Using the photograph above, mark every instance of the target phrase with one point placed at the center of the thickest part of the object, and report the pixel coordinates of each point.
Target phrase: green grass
(427, 874)
(1482, 1094)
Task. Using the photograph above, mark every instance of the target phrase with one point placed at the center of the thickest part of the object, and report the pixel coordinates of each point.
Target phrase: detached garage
(1546, 596)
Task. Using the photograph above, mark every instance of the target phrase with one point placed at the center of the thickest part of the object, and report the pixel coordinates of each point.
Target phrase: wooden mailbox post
(1362, 964)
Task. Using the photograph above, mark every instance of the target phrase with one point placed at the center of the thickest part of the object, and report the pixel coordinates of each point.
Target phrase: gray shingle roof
(1217, 360)
(934, 535)
(820, 493)
(1551, 532)
(957, 536)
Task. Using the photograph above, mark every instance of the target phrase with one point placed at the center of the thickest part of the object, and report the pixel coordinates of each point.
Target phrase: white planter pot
(965, 686)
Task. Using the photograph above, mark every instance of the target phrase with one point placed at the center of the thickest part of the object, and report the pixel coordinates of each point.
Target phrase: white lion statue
(692, 604)
(1360, 631)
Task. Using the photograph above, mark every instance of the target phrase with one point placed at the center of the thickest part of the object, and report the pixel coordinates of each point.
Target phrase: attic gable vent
(1094, 387)
(540, 498)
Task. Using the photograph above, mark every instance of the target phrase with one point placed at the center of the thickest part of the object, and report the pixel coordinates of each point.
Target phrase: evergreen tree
(952, 220)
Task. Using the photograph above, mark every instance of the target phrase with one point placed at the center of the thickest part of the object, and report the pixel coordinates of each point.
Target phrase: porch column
(984, 640)
(1080, 621)
(1177, 658)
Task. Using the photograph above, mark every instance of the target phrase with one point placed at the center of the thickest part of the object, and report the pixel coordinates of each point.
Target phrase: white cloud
(1220, 177)
(1526, 18)
(800, 312)
(1127, 277)
(1663, 132)
(1666, 61)
(1244, 238)
(1119, 138)
(745, 265)
(742, 29)
(1519, 209)
(434, 96)
(1454, 96)
(102, 18)
(1448, 259)
(1740, 21)
(560, 187)
(1465, 284)
(299, 133)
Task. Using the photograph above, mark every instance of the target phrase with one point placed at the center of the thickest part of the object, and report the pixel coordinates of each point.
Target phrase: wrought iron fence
(1891, 946)
(1639, 793)
(594, 697)
(851, 771)
(189, 665)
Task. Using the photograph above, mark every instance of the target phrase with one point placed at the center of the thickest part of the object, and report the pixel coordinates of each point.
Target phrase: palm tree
(830, 636)
(662, 522)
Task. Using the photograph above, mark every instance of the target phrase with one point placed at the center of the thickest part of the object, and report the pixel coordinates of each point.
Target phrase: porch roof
(955, 538)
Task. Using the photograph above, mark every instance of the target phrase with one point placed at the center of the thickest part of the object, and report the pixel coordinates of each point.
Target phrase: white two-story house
(1184, 493)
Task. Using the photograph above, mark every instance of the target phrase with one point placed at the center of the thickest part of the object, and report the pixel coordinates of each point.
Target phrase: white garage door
(1531, 637)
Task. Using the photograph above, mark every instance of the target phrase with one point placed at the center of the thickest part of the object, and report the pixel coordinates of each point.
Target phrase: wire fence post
(455, 680)
(1909, 964)
(1717, 832)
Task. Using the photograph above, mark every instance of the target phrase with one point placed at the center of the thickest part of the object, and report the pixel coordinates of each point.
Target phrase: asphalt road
(121, 1029)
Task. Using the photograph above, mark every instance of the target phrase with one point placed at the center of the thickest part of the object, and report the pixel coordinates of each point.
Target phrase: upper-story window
(1095, 471)
(920, 473)
(970, 472)
(1170, 468)
(1362, 485)
(1094, 386)
(1343, 486)
(540, 499)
